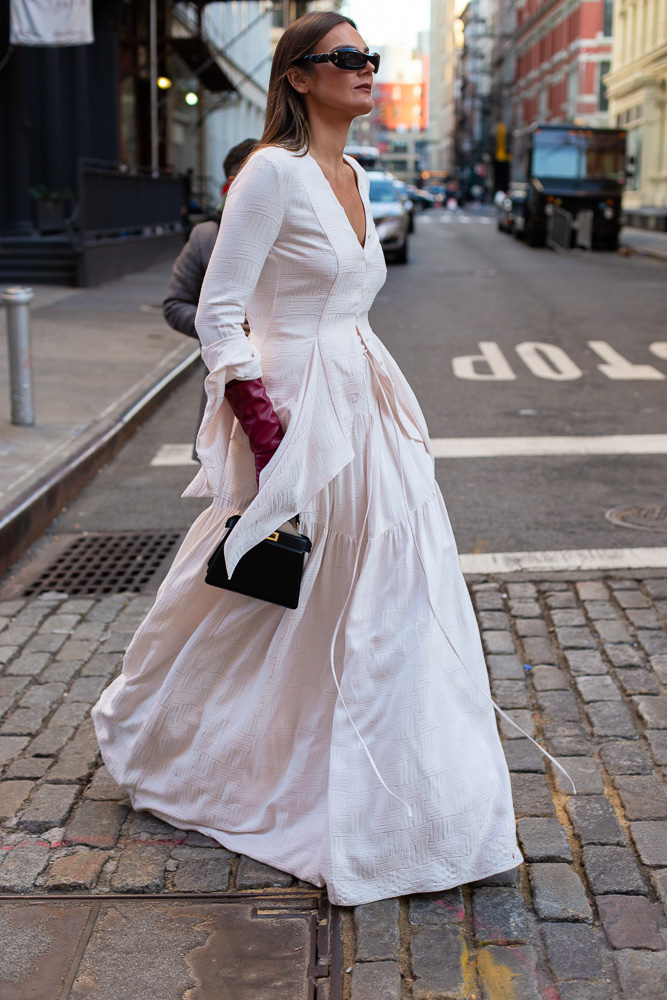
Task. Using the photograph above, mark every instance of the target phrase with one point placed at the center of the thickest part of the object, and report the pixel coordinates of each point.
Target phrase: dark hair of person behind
(286, 123)
(237, 154)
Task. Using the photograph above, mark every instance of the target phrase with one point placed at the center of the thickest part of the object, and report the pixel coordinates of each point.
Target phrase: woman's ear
(298, 78)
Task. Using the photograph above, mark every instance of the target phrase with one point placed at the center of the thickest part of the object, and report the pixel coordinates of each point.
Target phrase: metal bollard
(17, 301)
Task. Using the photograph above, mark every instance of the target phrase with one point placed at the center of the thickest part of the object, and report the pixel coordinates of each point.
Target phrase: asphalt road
(536, 314)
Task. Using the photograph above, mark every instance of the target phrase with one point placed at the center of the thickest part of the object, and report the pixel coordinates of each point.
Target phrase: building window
(603, 102)
(608, 12)
(542, 111)
(634, 155)
(572, 92)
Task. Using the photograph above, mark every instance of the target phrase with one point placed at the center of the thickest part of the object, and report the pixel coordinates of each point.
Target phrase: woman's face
(347, 91)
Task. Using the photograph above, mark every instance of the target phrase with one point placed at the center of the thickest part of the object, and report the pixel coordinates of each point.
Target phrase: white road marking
(457, 216)
(548, 361)
(566, 559)
(515, 562)
(618, 367)
(495, 447)
(507, 447)
(174, 454)
(491, 357)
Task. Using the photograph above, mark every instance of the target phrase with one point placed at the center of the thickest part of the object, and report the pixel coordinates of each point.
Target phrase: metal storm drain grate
(97, 564)
(651, 516)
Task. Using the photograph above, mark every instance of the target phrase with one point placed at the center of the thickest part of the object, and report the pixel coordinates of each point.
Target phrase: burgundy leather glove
(254, 411)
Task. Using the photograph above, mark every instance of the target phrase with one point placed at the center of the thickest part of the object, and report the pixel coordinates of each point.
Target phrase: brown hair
(286, 123)
(237, 156)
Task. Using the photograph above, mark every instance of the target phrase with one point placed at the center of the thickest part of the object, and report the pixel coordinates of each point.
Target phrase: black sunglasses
(345, 58)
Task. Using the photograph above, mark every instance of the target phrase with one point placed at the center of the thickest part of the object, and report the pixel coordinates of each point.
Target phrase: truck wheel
(533, 237)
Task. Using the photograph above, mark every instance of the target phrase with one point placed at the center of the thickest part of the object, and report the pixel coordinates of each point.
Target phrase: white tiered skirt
(227, 718)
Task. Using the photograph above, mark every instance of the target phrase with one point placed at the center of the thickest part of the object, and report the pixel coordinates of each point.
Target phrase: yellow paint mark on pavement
(468, 970)
(498, 978)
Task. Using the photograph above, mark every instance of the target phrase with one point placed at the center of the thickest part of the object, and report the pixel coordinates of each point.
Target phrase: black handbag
(271, 571)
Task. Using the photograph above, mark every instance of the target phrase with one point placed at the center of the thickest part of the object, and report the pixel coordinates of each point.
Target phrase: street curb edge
(28, 516)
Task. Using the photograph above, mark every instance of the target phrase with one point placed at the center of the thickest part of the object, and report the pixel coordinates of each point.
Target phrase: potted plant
(50, 208)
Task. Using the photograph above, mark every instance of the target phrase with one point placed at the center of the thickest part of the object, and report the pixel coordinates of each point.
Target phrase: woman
(351, 742)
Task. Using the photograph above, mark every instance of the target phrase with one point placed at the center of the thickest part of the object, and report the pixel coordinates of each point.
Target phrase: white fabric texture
(226, 718)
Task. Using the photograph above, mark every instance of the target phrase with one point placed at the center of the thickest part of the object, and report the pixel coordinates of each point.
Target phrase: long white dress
(352, 741)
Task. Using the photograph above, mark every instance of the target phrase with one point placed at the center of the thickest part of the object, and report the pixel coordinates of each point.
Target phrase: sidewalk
(645, 242)
(582, 663)
(99, 355)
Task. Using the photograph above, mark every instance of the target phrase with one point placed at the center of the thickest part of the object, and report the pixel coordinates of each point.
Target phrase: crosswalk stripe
(500, 447)
(174, 454)
(515, 562)
(506, 447)
(456, 216)
(566, 559)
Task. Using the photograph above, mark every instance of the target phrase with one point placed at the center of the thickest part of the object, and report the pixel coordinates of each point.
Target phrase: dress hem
(512, 860)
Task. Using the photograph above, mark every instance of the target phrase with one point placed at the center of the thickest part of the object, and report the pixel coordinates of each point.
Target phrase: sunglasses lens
(357, 60)
(352, 60)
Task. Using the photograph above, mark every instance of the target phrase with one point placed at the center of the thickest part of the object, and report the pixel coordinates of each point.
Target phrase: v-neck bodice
(351, 163)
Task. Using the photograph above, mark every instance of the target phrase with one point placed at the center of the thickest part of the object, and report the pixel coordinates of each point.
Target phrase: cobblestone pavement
(582, 664)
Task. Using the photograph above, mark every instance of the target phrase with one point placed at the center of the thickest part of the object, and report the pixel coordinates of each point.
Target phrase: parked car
(420, 197)
(390, 215)
(406, 198)
(503, 205)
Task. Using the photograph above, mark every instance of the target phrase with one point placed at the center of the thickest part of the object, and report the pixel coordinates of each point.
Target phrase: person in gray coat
(180, 304)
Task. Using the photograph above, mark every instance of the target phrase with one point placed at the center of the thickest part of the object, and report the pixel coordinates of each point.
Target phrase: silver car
(392, 220)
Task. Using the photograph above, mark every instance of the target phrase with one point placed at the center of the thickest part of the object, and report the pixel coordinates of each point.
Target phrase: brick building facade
(563, 52)
(402, 106)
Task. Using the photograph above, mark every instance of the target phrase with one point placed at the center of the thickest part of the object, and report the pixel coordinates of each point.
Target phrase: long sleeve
(250, 226)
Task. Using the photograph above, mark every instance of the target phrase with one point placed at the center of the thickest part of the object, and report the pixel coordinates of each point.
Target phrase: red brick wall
(546, 62)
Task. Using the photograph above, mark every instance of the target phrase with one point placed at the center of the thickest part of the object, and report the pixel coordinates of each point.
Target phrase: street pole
(153, 86)
(17, 302)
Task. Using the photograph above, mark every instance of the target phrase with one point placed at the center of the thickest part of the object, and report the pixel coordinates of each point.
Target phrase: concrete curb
(28, 515)
(646, 251)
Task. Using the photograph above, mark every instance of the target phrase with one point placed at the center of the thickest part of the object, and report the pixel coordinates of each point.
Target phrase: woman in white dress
(352, 741)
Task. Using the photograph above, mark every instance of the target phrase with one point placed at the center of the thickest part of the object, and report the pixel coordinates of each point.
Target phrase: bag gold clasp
(273, 537)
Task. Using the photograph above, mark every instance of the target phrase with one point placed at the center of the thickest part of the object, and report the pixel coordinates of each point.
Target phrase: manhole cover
(97, 564)
(271, 948)
(650, 516)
